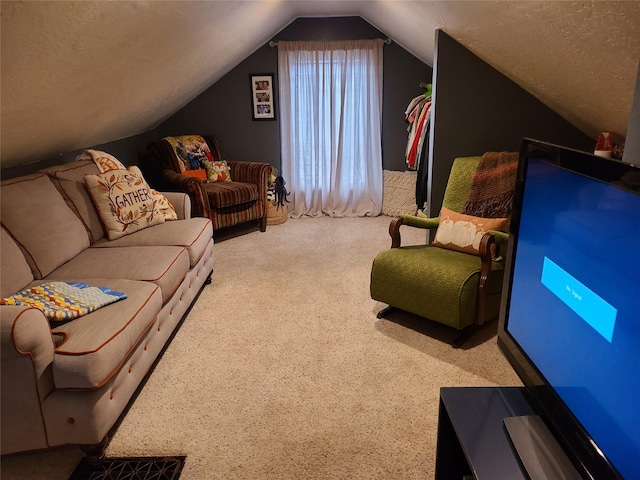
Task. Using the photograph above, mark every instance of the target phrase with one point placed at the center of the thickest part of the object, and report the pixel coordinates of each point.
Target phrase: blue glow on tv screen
(574, 301)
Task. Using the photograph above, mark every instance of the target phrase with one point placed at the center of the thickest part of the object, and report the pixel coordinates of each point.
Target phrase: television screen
(570, 321)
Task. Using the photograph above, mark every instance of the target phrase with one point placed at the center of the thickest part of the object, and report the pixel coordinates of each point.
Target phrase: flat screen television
(570, 317)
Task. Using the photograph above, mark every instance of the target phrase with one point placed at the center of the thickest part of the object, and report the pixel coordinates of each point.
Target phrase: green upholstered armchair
(457, 289)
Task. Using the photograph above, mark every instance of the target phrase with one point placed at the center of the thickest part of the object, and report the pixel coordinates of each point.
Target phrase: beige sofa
(68, 384)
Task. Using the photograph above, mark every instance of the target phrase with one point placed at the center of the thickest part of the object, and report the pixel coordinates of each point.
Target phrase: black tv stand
(474, 443)
(538, 450)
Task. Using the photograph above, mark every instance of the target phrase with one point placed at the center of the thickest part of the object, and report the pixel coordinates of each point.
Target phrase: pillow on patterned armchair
(200, 174)
(217, 171)
(191, 151)
(463, 233)
(124, 202)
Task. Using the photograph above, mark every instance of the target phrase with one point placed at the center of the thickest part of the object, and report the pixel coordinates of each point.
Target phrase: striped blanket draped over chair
(492, 186)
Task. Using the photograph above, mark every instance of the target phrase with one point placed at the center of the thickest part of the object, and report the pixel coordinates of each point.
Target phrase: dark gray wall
(224, 109)
(126, 150)
(632, 144)
(477, 109)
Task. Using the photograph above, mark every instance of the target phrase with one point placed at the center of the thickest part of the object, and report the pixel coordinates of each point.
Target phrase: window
(331, 123)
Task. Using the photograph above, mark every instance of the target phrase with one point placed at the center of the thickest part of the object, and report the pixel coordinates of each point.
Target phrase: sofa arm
(26, 377)
(251, 172)
(26, 333)
(193, 187)
(181, 202)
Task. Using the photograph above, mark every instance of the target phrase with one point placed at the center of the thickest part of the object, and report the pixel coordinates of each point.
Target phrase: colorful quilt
(64, 300)
(191, 150)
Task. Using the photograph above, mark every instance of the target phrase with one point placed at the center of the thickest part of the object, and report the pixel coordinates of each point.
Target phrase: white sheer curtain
(331, 123)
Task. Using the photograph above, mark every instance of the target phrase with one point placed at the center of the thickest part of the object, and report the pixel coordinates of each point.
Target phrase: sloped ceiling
(80, 73)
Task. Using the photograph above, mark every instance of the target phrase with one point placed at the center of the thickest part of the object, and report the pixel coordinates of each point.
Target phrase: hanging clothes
(411, 114)
(417, 115)
(418, 140)
(423, 175)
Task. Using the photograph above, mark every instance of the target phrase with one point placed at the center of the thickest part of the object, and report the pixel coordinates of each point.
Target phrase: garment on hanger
(417, 115)
(418, 140)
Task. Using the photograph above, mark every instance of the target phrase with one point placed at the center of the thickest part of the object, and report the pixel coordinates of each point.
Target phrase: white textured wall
(76, 74)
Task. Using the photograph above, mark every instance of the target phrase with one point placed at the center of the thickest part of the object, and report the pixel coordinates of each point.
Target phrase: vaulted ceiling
(80, 73)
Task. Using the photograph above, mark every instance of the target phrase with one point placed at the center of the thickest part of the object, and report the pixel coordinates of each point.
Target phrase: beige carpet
(283, 371)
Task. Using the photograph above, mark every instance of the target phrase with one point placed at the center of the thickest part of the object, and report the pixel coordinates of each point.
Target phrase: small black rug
(130, 468)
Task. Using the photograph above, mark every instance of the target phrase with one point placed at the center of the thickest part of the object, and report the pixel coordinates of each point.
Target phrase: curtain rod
(275, 44)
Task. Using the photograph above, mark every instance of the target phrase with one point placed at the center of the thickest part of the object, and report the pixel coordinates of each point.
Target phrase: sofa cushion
(165, 266)
(15, 269)
(37, 217)
(192, 234)
(69, 178)
(124, 202)
(92, 348)
(226, 194)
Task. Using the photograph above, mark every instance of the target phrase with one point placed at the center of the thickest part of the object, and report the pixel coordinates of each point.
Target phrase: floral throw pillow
(103, 160)
(107, 162)
(164, 205)
(463, 233)
(124, 202)
(218, 171)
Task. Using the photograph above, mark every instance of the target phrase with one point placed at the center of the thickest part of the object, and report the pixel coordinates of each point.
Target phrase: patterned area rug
(138, 468)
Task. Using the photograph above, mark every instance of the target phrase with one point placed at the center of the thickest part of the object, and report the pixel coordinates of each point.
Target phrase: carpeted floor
(283, 371)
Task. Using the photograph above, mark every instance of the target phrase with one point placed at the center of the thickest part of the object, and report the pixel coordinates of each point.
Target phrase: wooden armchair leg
(263, 224)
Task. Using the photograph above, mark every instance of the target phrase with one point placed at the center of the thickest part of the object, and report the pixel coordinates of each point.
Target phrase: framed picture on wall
(263, 106)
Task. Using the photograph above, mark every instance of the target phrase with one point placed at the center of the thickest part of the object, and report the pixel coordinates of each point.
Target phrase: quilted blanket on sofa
(61, 301)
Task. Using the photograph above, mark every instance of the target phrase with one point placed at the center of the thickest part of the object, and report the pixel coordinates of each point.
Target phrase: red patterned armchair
(227, 192)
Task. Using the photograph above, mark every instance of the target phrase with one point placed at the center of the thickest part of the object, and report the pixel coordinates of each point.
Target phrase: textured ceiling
(81, 73)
